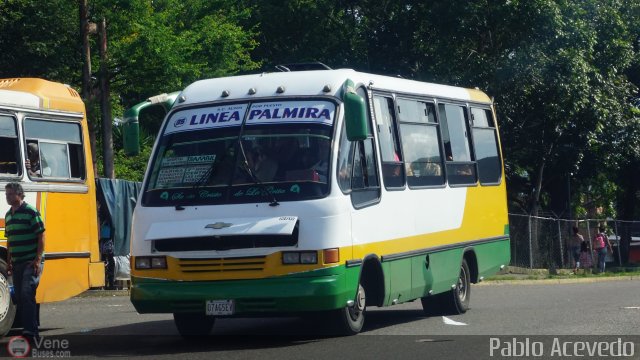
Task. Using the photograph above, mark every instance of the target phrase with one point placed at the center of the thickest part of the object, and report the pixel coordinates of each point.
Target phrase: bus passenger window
(420, 145)
(486, 146)
(8, 146)
(345, 161)
(392, 169)
(55, 149)
(364, 181)
(461, 169)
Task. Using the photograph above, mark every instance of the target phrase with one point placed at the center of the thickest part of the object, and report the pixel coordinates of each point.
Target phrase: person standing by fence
(600, 245)
(573, 245)
(585, 256)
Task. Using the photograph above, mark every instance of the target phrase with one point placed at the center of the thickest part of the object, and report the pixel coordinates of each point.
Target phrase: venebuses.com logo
(20, 347)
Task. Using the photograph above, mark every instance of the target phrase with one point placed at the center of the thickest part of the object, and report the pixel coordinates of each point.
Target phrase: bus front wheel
(7, 306)
(193, 324)
(350, 319)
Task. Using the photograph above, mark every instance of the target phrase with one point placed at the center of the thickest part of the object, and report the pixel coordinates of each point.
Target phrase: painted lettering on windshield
(257, 191)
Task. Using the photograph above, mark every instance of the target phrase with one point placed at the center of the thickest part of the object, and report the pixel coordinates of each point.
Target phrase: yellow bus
(45, 122)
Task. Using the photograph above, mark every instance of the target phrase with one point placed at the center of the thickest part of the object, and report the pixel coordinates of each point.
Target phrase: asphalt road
(508, 313)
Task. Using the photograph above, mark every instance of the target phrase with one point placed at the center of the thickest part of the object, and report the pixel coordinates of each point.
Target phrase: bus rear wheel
(7, 306)
(453, 302)
(461, 293)
(193, 324)
(350, 319)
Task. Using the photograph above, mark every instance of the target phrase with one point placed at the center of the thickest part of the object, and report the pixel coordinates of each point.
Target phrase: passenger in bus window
(36, 166)
(321, 166)
(432, 169)
(263, 167)
(464, 169)
(33, 160)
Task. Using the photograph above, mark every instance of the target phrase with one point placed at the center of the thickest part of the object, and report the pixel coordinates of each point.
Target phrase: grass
(565, 274)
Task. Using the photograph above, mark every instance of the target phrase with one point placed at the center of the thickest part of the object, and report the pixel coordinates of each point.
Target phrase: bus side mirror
(131, 125)
(355, 116)
(131, 136)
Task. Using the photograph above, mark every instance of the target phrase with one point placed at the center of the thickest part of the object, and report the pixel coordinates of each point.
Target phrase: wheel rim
(462, 284)
(356, 310)
(5, 297)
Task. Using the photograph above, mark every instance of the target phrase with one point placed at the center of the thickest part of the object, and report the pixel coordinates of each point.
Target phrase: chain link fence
(542, 242)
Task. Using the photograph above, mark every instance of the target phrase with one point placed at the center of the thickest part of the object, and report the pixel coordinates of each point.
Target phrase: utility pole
(87, 28)
(105, 104)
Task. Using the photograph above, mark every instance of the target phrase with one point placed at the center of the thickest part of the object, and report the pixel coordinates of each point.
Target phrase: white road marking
(451, 322)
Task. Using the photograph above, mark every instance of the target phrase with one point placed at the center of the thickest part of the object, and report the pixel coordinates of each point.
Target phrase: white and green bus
(317, 192)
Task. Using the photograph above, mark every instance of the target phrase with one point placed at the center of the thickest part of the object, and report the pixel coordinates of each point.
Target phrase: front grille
(250, 263)
(229, 242)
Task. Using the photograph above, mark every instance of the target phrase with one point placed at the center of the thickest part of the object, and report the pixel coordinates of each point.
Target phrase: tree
(39, 39)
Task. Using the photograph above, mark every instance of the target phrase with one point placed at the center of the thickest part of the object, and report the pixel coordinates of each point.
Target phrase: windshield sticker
(175, 170)
(195, 174)
(202, 159)
(292, 112)
(174, 161)
(168, 176)
(206, 118)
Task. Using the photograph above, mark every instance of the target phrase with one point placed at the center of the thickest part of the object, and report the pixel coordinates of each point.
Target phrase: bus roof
(315, 82)
(39, 94)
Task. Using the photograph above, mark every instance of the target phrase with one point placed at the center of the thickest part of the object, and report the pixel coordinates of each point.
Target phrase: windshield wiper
(206, 176)
(245, 166)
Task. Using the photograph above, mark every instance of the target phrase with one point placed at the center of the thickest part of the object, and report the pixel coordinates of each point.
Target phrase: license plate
(220, 307)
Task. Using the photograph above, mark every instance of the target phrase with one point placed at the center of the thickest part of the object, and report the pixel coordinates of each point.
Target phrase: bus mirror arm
(130, 123)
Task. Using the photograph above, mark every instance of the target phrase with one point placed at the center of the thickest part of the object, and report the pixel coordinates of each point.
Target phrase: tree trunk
(535, 208)
(86, 80)
(105, 104)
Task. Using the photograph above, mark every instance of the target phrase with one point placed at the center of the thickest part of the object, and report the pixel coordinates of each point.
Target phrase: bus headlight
(299, 257)
(159, 262)
(309, 258)
(151, 262)
(290, 258)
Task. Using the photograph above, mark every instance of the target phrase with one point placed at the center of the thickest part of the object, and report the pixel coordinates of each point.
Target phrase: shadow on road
(161, 337)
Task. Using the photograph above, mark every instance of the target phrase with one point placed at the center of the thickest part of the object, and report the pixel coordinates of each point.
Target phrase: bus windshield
(286, 144)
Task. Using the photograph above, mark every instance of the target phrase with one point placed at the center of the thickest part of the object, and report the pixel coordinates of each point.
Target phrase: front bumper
(284, 294)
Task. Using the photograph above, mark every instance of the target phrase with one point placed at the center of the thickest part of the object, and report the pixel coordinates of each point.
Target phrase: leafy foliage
(564, 73)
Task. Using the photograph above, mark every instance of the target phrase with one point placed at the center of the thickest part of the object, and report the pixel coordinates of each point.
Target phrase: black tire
(433, 305)
(461, 293)
(453, 302)
(7, 306)
(193, 324)
(350, 319)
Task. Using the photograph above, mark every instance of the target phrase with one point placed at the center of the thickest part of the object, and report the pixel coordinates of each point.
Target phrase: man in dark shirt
(25, 239)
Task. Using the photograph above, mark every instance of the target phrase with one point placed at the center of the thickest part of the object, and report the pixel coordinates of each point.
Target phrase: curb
(112, 293)
(103, 293)
(558, 281)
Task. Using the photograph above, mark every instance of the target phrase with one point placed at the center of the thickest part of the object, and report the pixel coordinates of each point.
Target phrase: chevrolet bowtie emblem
(218, 225)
